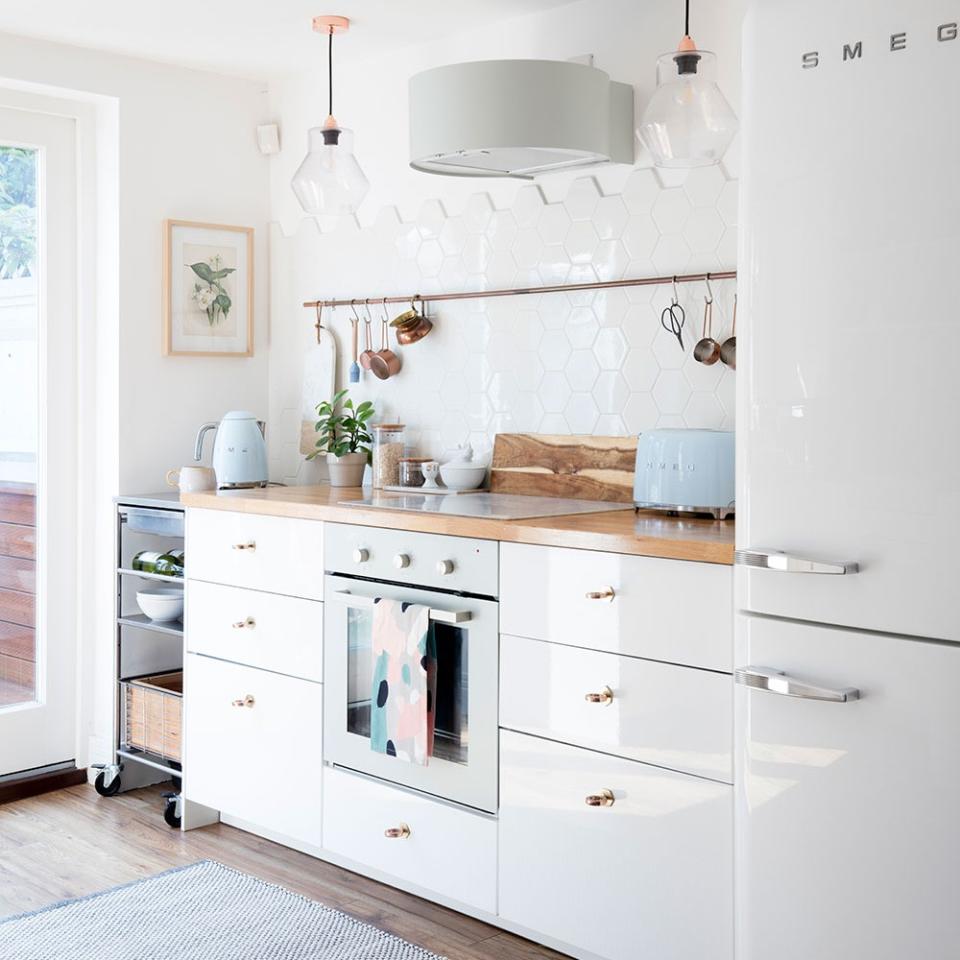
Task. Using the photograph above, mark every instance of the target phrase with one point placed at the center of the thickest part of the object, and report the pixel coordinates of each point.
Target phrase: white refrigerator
(848, 527)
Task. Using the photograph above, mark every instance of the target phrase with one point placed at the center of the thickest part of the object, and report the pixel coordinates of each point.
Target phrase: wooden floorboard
(72, 842)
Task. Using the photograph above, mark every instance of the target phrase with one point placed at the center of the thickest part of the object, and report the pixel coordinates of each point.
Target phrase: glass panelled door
(463, 765)
(37, 440)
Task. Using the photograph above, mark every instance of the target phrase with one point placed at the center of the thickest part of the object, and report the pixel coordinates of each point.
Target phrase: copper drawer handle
(246, 701)
(604, 798)
(605, 696)
(248, 623)
(607, 593)
(397, 833)
(252, 545)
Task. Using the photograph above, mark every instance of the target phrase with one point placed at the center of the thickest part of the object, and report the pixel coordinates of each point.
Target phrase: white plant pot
(346, 471)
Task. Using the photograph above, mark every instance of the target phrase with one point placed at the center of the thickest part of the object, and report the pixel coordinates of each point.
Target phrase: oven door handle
(367, 603)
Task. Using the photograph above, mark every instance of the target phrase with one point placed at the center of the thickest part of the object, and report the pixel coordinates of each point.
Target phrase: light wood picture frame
(207, 289)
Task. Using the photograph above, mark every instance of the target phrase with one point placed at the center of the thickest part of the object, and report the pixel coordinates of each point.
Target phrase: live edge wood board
(578, 467)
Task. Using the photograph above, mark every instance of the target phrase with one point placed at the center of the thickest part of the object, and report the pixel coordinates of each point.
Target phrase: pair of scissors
(673, 317)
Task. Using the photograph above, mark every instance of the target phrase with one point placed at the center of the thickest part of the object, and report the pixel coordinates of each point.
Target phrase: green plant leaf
(220, 274)
(203, 271)
(223, 302)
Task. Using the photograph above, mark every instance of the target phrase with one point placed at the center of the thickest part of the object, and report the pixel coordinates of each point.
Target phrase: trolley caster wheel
(171, 812)
(105, 789)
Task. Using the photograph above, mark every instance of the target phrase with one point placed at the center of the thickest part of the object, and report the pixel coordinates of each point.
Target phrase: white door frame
(94, 471)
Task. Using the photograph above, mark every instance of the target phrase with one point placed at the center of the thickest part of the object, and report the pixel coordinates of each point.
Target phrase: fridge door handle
(789, 563)
(776, 681)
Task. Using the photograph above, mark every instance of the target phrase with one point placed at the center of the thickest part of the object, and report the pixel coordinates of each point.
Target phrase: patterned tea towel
(404, 682)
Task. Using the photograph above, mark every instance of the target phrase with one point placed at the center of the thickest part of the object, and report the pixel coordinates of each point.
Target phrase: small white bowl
(463, 476)
(161, 604)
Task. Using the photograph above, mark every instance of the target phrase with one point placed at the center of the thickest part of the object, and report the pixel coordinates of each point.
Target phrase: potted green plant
(343, 436)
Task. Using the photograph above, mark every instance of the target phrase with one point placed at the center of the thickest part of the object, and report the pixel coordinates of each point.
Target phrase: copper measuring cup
(384, 363)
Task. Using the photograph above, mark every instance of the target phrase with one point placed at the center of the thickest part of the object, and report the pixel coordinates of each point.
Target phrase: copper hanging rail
(521, 291)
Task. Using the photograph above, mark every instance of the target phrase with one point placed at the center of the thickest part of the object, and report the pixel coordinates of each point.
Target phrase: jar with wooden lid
(387, 452)
(411, 471)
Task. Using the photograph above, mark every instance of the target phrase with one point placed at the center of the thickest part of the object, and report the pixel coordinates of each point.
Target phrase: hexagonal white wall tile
(582, 361)
(671, 392)
(582, 370)
(704, 185)
(477, 213)
(670, 211)
(554, 223)
(610, 217)
(582, 198)
(581, 327)
(554, 391)
(581, 413)
(610, 391)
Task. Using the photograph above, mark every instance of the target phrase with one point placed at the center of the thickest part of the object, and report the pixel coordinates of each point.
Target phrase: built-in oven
(457, 580)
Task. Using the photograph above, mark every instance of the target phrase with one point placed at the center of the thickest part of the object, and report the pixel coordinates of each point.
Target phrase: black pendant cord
(330, 70)
(686, 22)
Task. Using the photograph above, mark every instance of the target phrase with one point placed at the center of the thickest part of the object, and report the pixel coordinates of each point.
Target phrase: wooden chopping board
(579, 467)
(319, 377)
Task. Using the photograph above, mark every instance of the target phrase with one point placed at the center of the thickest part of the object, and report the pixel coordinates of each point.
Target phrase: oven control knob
(445, 567)
(360, 555)
(401, 560)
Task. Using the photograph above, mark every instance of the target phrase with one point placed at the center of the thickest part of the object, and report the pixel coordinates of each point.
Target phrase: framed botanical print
(207, 290)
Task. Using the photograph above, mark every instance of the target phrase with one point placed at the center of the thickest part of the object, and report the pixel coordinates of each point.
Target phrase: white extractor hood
(517, 118)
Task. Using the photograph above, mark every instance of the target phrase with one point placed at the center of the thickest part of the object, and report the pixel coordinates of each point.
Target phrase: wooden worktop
(645, 533)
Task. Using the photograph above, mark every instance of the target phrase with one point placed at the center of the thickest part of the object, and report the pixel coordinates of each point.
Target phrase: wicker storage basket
(153, 714)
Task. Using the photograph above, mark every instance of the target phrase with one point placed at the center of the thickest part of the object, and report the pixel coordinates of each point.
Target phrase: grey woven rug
(204, 911)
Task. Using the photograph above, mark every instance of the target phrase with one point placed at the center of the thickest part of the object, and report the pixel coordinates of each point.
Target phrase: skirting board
(391, 881)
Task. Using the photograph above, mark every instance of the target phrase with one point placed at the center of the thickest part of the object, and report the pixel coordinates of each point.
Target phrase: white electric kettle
(239, 450)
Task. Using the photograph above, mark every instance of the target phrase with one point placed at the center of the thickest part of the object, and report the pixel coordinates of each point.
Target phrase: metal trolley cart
(148, 677)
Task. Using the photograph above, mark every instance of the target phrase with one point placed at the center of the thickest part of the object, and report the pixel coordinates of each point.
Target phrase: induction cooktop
(487, 506)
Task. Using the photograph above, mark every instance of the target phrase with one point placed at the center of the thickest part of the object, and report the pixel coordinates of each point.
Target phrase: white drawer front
(450, 851)
(671, 610)
(649, 876)
(264, 630)
(276, 554)
(659, 713)
(259, 763)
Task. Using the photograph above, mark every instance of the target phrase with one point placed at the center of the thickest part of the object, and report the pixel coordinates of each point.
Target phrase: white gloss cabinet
(659, 713)
(248, 736)
(677, 611)
(276, 554)
(436, 846)
(649, 875)
(846, 816)
(264, 630)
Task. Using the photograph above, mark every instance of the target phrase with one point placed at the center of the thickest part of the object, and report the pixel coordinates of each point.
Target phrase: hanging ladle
(707, 350)
(728, 351)
(355, 325)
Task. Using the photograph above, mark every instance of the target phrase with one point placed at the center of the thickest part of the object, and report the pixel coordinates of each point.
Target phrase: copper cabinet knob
(607, 593)
(605, 696)
(246, 701)
(604, 798)
(246, 623)
(397, 833)
(250, 545)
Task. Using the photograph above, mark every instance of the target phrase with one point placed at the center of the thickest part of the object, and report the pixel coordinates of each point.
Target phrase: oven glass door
(463, 766)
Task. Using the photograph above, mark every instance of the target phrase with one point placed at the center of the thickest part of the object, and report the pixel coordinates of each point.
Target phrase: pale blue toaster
(686, 471)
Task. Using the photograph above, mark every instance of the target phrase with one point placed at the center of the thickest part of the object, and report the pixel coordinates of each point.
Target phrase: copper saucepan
(411, 325)
(384, 363)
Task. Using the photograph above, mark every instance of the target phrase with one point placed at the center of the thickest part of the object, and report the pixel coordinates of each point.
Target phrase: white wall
(166, 142)
(560, 364)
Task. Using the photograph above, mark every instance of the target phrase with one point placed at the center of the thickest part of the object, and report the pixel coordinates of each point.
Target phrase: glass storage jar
(387, 451)
(411, 471)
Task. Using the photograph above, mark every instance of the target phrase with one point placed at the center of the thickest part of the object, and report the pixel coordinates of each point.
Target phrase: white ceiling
(253, 38)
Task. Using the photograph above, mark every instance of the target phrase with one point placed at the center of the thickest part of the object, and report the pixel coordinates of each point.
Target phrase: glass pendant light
(330, 181)
(688, 122)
